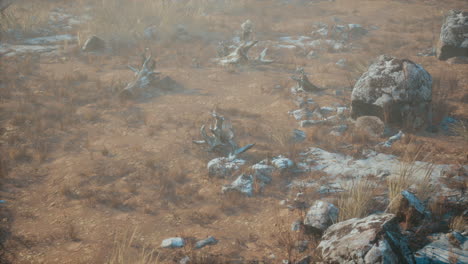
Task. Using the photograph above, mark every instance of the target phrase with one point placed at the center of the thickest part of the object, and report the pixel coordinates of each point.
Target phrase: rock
(150, 32)
(341, 63)
(57, 39)
(304, 260)
(224, 167)
(453, 39)
(301, 114)
(321, 215)
(282, 162)
(312, 55)
(94, 44)
(243, 184)
(185, 260)
(392, 139)
(373, 239)
(206, 242)
(411, 210)
(356, 31)
(296, 225)
(263, 172)
(397, 91)
(298, 136)
(302, 245)
(173, 242)
(309, 123)
(339, 130)
(370, 125)
(444, 249)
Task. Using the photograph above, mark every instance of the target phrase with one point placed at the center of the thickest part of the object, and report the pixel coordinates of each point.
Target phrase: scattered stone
(371, 125)
(299, 135)
(263, 172)
(50, 40)
(453, 41)
(444, 249)
(356, 31)
(302, 246)
(341, 63)
(392, 139)
(243, 184)
(339, 130)
(430, 52)
(224, 167)
(312, 54)
(296, 225)
(282, 162)
(151, 32)
(321, 215)
(185, 260)
(373, 239)
(309, 123)
(206, 242)
(398, 91)
(173, 242)
(301, 114)
(94, 43)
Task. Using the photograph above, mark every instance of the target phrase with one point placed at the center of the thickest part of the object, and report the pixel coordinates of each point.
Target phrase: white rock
(243, 184)
(224, 167)
(173, 242)
(282, 162)
(321, 215)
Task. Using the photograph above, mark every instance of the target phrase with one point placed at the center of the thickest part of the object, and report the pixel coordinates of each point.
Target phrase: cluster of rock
(380, 237)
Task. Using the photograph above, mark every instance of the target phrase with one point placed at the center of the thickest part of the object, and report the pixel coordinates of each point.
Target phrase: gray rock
(392, 139)
(453, 39)
(444, 249)
(224, 167)
(356, 31)
(282, 162)
(206, 242)
(298, 135)
(94, 44)
(341, 63)
(398, 91)
(150, 32)
(173, 242)
(296, 225)
(312, 54)
(263, 172)
(321, 215)
(373, 239)
(243, 184)
(304, 260)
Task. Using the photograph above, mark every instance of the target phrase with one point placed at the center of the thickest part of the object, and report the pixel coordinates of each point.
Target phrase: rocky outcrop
(397, 91)
(373, 239)
(444, 249)
(453, 40)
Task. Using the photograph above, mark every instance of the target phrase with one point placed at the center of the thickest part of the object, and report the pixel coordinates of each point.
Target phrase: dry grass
(355, 201)
(459, 223)
(406, 178)
(460, 128)
(123, 251)
(17, 18)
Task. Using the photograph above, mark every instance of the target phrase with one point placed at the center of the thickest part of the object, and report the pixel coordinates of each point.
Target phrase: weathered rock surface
(94, 43)
(373, 239)
(206, 242)
(173, 242)
(321, 215)
(411, 210)
(444, 249)
(397, 91)
(453, 40)
(281, 162)
(243, 184)
(224, 167)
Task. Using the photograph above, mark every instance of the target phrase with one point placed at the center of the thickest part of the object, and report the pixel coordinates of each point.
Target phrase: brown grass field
(88, 178)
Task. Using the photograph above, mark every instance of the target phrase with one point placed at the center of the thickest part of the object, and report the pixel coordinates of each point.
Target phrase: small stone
(173, 242)
(206, 242)
(94, 44)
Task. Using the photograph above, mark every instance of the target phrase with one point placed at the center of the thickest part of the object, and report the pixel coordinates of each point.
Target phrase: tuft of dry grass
(26, 18)
(459, 223)
(460, 128)
(123, 251)
(355, 201)
(407, 177)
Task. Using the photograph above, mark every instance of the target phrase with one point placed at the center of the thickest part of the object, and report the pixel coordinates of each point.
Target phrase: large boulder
(453, 40)
(397, 91)
(373, 239)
